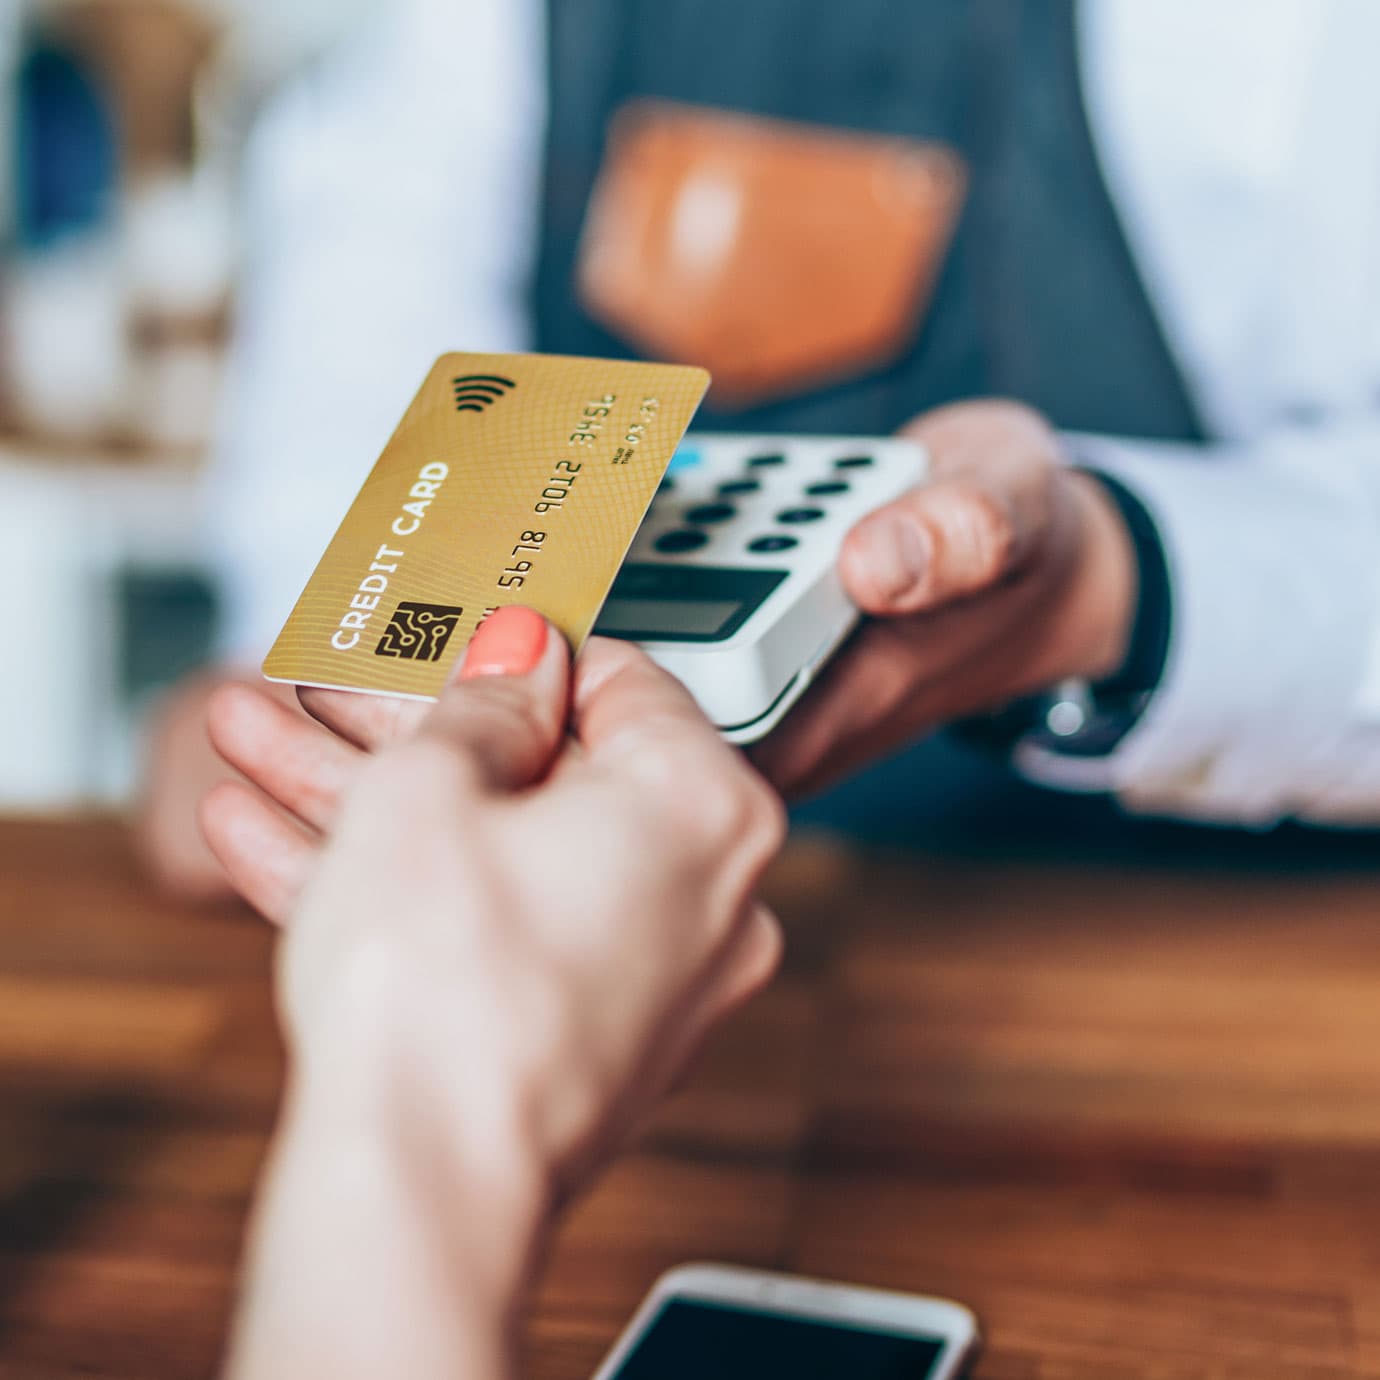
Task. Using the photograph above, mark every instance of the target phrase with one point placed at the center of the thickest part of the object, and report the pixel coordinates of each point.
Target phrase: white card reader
(731, 582)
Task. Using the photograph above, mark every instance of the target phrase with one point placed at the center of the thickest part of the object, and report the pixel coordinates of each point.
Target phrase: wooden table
(1127, 1110)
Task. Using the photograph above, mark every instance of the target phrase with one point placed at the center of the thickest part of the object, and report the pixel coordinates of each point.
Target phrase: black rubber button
(681, 539)
(795, 516)
(711, 512)
(761, 462)
(828, 488)
(779, 543)
(853, 462)
(739, 486)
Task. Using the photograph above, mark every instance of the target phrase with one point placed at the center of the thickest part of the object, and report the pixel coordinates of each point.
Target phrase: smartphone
(736, 1324)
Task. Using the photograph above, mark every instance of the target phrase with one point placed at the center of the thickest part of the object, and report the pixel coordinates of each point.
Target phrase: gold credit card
(512, 479)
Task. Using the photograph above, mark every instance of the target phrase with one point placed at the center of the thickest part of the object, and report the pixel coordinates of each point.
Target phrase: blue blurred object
(67, 164)
(687, 457)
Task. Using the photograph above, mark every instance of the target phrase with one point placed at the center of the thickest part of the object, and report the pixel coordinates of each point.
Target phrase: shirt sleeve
(391, 198)
(1269, 707)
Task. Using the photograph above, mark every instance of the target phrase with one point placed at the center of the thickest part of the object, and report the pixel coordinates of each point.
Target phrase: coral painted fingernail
(509, 642)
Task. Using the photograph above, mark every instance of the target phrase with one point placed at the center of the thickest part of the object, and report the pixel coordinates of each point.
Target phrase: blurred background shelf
(123, 127)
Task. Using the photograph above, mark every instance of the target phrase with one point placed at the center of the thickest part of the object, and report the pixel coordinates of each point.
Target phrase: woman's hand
(506, 932)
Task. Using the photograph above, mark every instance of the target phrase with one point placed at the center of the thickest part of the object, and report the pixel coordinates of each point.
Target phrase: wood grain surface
(1129, 1111)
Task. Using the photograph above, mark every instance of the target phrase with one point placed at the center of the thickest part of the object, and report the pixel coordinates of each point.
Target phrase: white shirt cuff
(1274, 608)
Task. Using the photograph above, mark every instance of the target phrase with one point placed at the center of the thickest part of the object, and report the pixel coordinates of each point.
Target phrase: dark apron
(1039, 298)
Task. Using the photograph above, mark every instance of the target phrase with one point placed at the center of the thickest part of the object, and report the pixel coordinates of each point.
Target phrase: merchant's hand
(1001, 575)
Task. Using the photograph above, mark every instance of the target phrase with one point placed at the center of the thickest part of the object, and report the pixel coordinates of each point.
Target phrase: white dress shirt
(394, 199)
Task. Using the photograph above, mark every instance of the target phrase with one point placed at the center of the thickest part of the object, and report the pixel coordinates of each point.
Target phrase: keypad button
(762, 462)
(853, 462)
(711, 512)
(781, 542)
(680, 540)
(739, 486)
(795, 516)
(827, 488)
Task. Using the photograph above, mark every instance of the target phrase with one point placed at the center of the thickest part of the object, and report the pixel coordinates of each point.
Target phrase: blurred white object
(77, 369)
(179, 248)
(66, 337)
(179, 243)
(175, 396)
(66, 737)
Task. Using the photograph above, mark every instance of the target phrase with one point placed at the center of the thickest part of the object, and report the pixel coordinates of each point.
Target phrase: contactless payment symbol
(475, 392)
(418, 632)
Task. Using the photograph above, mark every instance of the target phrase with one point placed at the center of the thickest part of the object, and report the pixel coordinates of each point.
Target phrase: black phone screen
(692, 1339)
